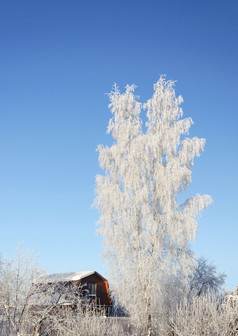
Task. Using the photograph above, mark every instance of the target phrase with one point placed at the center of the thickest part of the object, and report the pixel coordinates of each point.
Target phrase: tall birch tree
(146, 231)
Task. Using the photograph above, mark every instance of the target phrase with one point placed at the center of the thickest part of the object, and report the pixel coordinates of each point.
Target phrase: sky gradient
(57, 61)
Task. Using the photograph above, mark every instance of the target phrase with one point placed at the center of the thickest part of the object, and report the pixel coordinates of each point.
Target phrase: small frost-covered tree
(146, 231)
(205, 278)
(16, 277)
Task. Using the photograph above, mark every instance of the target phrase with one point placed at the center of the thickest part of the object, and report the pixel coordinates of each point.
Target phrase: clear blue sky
(57, 61)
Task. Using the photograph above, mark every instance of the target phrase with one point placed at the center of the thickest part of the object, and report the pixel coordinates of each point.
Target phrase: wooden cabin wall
(102, 291)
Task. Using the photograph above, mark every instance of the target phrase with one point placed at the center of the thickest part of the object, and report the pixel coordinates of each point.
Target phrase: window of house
(92, 289)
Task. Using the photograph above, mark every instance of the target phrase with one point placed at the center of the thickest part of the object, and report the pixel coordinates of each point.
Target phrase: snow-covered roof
(63, 277)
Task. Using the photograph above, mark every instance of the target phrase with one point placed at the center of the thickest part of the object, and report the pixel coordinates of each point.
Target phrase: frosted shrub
(229, 314)
(208, 315)
(198, 316)
(87, 319)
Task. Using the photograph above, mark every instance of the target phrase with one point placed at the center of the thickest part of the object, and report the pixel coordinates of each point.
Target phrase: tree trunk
(171, 330)
(149, 326)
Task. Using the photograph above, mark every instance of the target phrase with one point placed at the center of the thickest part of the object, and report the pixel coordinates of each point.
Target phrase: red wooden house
(86, 284)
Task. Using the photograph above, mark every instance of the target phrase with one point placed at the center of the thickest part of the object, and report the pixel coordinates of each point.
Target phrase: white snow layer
(62, 277)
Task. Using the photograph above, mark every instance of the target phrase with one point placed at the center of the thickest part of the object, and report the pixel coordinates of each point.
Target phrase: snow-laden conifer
(146, 232)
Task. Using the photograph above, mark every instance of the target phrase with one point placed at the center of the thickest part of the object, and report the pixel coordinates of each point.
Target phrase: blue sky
(57, 61)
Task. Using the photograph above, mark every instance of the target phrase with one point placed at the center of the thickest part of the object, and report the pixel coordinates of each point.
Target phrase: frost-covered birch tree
(146, 231)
